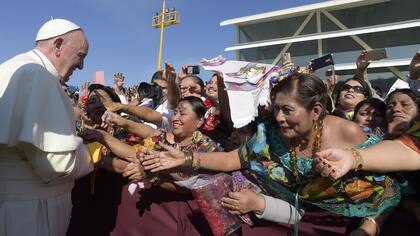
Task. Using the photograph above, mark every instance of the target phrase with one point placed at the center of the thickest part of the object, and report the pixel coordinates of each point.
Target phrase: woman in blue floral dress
(279, 157)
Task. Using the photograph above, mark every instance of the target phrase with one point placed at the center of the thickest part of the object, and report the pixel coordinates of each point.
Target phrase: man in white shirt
(159, 101)
(40, 154)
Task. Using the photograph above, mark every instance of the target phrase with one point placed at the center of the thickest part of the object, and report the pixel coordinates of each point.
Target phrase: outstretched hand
(113, 119)
(108, 103)
(134, 171)
(119, 76)
(334, 163)
(414, 68)
(158, 161)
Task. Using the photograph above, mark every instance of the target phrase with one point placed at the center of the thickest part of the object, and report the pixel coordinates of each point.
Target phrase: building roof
(300, 10)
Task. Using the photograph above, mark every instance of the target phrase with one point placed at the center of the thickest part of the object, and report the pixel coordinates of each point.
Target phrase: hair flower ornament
(283, 73)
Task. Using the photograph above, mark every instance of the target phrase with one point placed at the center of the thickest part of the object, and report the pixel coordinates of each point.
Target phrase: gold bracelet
(189, 159)
(357, 158)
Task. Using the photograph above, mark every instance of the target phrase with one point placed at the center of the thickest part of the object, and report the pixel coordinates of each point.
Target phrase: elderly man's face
(73, 52)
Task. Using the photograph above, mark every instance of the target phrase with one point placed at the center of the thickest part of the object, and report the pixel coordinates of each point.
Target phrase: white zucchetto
(54, 28)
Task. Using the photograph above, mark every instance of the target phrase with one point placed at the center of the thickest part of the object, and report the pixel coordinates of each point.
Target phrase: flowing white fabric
(40, 154)
(248, 86)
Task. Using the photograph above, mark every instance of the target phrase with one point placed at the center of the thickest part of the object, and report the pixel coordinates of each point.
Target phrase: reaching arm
(141, 130)
(386, 156)
(113, 164)
(390, 155)
(138, 129)
(145, 113)
(117, 147)
(172, 158)
(217, 161)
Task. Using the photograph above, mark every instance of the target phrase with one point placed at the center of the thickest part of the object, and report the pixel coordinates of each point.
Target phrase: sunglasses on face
(356, 89)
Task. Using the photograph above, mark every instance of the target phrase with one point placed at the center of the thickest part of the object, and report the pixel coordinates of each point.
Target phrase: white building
(341, 27)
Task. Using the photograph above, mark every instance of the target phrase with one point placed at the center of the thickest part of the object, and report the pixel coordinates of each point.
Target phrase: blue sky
(120, 33)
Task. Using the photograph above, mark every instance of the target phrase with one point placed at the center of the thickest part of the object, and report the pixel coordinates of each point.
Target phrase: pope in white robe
(40, 154)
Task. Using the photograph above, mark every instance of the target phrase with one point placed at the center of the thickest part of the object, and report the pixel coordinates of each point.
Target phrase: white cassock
(40, 154)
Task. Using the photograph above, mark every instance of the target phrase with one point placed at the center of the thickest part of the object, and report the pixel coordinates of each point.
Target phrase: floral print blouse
(267, 162)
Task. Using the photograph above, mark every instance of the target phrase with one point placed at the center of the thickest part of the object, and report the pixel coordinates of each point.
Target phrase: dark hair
(197, 80)
(196, 104)
(108, 90)
(379, 105)
(414, 96)
(307, 88)
(157, 75)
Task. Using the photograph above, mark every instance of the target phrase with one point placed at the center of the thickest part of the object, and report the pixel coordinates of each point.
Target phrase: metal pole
(161, 35)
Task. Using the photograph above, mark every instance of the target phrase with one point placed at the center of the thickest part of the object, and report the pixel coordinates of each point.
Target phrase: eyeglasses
(356, 89)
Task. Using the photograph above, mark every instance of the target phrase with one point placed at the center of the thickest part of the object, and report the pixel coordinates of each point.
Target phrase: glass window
(376, 14)
(300, 52)
(275, 29)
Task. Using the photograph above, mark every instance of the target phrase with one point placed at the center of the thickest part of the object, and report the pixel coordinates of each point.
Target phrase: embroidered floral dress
(200, 143)
(360, 194)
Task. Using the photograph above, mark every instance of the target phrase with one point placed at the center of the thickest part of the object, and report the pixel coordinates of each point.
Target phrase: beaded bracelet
(357, 158)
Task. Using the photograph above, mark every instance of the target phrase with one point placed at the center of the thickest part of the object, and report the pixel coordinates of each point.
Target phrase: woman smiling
(279, 156)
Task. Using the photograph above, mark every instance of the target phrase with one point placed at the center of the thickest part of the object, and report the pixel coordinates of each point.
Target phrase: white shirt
(163, 109)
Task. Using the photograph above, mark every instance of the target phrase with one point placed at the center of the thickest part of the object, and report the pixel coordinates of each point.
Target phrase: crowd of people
(328, 157)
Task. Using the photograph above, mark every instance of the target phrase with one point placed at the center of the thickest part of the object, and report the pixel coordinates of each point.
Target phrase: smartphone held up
(323, 66)
(376, 54)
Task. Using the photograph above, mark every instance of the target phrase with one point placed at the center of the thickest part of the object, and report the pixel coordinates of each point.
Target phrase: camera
(193, 70)
(150, 90)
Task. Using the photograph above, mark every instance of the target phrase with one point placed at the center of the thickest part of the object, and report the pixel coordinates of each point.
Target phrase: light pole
(161, 20)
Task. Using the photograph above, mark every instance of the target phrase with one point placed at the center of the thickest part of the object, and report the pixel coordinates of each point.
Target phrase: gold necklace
(316, 147)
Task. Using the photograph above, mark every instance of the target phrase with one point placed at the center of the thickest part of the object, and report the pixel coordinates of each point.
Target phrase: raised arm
(173, 89)
(361, 71)
(224, 106)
